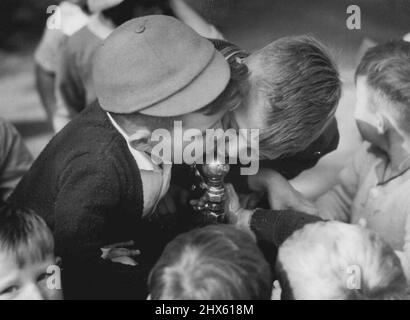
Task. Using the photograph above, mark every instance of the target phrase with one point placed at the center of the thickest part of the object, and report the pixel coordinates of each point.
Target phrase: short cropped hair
(338, 261)
(24, 235)
(213, 263)
(302, 88)
(387, 71)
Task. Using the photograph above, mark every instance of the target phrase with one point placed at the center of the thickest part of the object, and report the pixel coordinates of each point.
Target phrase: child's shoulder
(82, 40)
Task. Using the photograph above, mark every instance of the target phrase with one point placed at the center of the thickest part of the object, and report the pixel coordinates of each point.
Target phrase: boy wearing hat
(74, 87)
(95, 183)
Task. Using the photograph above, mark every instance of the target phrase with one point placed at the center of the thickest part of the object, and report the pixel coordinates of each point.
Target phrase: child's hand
(250, 201)
(281, 195)
(120, 253)
(235, 214)
(231, 202)
(198, 204)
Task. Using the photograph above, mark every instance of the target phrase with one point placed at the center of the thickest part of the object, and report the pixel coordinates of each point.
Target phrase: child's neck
(105, 22)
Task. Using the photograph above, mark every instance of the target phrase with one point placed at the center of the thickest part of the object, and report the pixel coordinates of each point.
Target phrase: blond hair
(213, 263)
(25, 236)
(300, 83)
(337, 261)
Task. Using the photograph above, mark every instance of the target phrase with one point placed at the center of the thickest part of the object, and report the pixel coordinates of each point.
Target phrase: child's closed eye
(9, 290)
(42, 277)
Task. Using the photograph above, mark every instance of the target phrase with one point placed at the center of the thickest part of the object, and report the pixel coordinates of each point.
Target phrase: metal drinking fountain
(213, 175)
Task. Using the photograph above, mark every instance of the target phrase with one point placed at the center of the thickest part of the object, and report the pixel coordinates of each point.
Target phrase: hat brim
(200, 92)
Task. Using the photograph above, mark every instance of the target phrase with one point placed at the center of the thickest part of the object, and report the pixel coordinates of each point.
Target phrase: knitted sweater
(272, 228)
(87, 187)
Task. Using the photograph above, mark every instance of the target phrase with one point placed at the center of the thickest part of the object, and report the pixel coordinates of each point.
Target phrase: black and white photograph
(196, 151)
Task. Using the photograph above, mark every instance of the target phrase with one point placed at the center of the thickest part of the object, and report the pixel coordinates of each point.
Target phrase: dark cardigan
(88, 188)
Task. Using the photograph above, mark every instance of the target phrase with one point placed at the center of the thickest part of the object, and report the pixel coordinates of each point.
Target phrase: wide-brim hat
(158, 66)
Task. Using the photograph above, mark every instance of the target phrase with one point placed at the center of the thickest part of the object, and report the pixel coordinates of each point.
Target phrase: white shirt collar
(143, 161)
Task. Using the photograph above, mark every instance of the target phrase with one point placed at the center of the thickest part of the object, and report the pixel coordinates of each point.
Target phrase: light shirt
(155, 178)
(15, 159)
(72, 19)
(368, 194)
(74, 83)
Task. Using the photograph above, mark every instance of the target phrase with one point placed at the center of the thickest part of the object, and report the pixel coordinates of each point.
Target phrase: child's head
(292, 94)
(337, 261)
(383, 93)
(207, 118)
(216, 262)
(26, 253)
(164, 108)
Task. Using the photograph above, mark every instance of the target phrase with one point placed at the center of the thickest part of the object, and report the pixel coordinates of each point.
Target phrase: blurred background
(249, 23)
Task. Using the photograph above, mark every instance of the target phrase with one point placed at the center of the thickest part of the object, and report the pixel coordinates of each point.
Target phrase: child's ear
(276, 291)
(59, 262)
(140, 140)
(381, 124)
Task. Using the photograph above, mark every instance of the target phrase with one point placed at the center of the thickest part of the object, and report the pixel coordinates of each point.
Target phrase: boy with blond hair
(373, 188)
